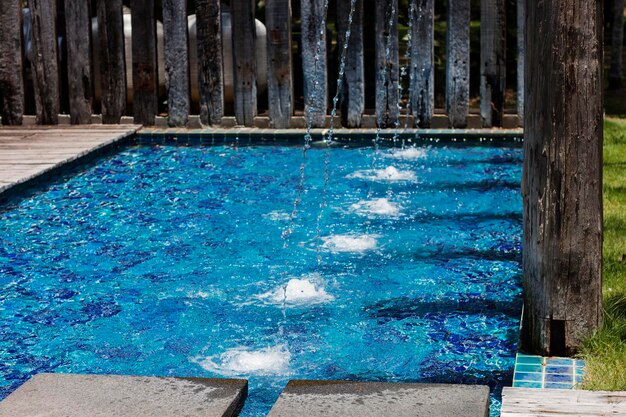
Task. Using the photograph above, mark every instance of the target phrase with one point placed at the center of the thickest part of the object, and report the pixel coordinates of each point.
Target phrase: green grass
(605, 351)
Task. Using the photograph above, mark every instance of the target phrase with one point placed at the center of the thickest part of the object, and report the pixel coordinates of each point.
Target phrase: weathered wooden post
(45, 61)
(422, 75)
(244, 61)
(210, 61)
(521, 48)
(11, 81)
(314, 62)
(145, 72)
(617, 45)
(352, 95)
(80, 81)
(492, 61)
(562, 178)
(112, 61)
(387, 69)
(279, 70)
(176, 61)
(457, 62)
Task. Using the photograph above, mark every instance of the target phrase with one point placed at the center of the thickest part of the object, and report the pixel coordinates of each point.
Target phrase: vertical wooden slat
(387, 69)
(176, 61)
(244, 61)
(45, 62)
(457, 62)
(617, 45)
(80, 81)
(521, 53)
(112, 61)
(422, 76)
(352, 96)
(279, 70)
(210, 61)
(562, 175)
(11, 81)
(314, 61)
(493, 61)
(145, 74)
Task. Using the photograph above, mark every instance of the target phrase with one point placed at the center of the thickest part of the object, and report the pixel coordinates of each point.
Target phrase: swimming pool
(390, 265)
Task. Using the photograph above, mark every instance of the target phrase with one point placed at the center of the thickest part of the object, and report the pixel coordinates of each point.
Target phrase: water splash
(350, 243)
(410, 154)
(243, 361)
(389, 174)
(307, 290)
(380, 207)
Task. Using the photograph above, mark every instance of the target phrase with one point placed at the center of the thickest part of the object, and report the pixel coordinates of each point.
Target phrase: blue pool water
(186, 261)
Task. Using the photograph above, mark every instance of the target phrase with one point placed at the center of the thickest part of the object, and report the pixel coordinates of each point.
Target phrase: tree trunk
(244, 61)
(617, 45)
(11, 81)
(45, 61)
(352, 95)
(493, 61)
(112, 60)
(314, 62)
(457, 62)
(279, 70)
(387, 69)
(210, 61)
(145, 72)
(562, 178)
(521, 53)
(80, 81)
(422, 75)
(176, 61)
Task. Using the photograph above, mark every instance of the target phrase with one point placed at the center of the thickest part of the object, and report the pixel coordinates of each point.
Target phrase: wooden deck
(531, 402)
(31, 153)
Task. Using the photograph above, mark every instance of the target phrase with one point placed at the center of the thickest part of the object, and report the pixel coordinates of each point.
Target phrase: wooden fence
(75, 70)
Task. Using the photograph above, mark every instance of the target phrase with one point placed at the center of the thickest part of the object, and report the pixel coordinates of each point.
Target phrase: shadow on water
(485, 185)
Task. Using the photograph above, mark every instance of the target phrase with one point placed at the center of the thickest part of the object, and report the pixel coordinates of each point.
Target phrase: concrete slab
(61, 395)
(377, 399)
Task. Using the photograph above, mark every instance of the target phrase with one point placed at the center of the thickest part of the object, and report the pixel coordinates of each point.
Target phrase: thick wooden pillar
(210, 61)
(457, 62)
(11, 81)
(145, 72)
(244, 61)
(562, 177)
(521, 53)
(387, 68)
(422, 75)
(45, 61)
(112, 60)
(314, 61)
(352, 95)
(617, 45)
(176, 61)
(492, 61)
(79, 77)
(279, 70)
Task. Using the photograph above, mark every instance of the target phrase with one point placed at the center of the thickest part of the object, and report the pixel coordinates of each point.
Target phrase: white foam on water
(410, 154)
(306, 290)
(389, 174)
(242, 361)
(277, 216)
(377, 207)
(350, 243)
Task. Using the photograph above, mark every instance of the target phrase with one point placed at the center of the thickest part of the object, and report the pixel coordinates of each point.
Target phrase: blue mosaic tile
(528, 359)
(554, 385)
(529, 368)
(527, 384)
(523, 376)
(559, 378)
(559, 369)
(560, 362)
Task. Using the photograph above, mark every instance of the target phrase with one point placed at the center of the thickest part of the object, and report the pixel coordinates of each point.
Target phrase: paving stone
(63, 395)
(378, 399)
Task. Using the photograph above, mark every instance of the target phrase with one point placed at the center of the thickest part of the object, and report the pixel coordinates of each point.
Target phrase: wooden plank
(457, 62)
(387, 68)
(145, 72)
(11, 80)
(112, 63)
(314, 61)
(279, 70)
(44, 63)
(80, 81)
(521, 52)
(617, 46)
(520, 402)
(562, 176)
(210, 61)
(176, 61)
(422, 71)
(493, 61)
(352, 95)
(244, 61)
